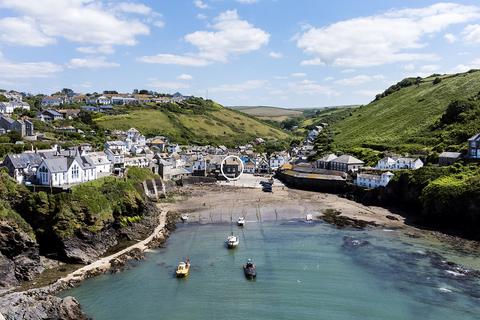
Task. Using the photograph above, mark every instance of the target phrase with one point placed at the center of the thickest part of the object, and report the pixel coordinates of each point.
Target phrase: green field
(270, 113)
(215, 125)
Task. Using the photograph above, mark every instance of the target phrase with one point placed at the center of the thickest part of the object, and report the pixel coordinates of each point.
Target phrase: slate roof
(23, 160)
(328, 158)
(59, 164)
(453, 155)
(347, 159)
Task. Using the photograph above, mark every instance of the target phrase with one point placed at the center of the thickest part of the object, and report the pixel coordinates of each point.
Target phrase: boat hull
(250, 273)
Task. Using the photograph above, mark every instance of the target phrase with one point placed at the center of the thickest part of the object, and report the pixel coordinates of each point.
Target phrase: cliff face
(19, 256)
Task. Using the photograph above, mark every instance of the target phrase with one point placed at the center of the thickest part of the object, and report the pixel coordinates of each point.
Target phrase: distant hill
(194, 121)
(270, 113)
(415, 115)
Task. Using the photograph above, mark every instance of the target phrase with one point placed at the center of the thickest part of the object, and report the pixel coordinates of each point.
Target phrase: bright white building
(372, 181)
(399, 163)
(101, 162)
(60, 171)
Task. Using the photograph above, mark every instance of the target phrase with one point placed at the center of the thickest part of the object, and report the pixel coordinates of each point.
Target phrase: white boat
(309, 217)
(241, 221)
(184, 217)
(232, 241)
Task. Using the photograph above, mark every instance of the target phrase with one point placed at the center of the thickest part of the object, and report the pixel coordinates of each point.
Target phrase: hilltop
(415, 115)
(270, 113)
(195, 121)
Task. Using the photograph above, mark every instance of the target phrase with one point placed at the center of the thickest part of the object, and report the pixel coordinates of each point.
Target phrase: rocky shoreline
(42, 303)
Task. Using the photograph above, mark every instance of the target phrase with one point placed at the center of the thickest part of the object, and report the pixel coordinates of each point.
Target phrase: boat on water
(250, 270)
(183, 269)
(241, 221)
(232, 241)
(309, 217)
(184, 217)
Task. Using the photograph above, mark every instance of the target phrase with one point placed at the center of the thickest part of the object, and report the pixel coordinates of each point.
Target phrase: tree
(323, 142)
(3, 98)
(437, 81)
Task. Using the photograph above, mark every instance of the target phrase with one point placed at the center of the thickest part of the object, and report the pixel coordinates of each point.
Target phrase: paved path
(103, 264)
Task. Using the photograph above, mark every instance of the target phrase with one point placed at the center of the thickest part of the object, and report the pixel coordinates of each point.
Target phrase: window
(75, 172)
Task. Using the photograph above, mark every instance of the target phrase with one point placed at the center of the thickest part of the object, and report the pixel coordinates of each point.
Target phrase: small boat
(184, 217)
(232, 241)
(309, 217)
(241, 221)
(183, 269)
(250, 270)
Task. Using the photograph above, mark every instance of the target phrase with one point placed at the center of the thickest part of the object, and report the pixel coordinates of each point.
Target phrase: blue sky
(302, 53)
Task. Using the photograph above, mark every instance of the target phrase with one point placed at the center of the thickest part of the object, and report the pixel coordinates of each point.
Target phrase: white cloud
(131, 7)
(175, 59)
(12, 70)
(358, 80)
(91, 63)
(298, 75)
(450, 38)
(94, 50)
(22, 31)
(240, 87)
(409, 67)
(475, 64)
(81, 21)
(185, 76)
(166, 85)
(309, 87)
(348, 71)
(200, 4)
(276, 55)
(247, 1)
(394, 36)
(231, 36)
(201, 16)
(280, 77)
(312, 62)
(471, 34)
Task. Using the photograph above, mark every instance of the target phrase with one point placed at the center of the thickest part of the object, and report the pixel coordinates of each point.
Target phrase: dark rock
(39, 304)
(19, 256)
(391, 217)
(87, 246)
(350, 242)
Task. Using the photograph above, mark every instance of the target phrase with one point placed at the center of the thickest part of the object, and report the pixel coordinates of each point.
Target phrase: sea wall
(312, 182)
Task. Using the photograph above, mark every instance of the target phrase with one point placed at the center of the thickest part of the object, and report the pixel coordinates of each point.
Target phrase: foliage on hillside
(408, 116)
(90, 206)
(194, 121)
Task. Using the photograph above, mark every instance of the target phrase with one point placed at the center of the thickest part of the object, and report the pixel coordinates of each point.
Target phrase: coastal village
(62, 168)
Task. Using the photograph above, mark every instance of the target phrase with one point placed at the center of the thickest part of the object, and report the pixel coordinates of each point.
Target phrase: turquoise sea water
(305, 271)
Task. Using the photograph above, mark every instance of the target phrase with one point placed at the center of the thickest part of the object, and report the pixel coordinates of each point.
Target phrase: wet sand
(221, 203)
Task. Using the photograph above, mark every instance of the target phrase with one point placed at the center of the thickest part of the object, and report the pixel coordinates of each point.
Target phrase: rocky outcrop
(39, 304)
(85, 247)
(19, 256)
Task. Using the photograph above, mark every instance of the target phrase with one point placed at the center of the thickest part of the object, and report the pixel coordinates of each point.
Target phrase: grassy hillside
(270, 113)
(196, 121)
(407, 116)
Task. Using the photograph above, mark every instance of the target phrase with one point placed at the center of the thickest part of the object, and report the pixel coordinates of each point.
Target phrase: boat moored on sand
(183, 269)
(250, 270)
(184, 217)
(241, 221)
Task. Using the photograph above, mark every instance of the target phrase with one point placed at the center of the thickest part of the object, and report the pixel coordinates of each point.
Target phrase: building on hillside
(23, 166)
(372, 181)
(324, 162)
(116, 157)
(52, 101)
(10, 107)
(23, 126)
(103, 166)
(117, 100)
(116, 146)
(398, 163)
(69, 113)
(278, 159)
(102, 100)
(474, 147)
(346, 163)
(62, 171)
(199, 167)
(173, 148)
(140, 162)
(249, 167)
(448, 158)
(49, 115)
(232, 167)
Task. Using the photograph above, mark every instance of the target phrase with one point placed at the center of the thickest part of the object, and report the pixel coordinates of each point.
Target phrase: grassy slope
(219, 126)
(270, 113)
(407, 115)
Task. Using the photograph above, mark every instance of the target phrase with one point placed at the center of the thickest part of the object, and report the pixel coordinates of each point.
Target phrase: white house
(101, 162)
(277, 160)
(399, 163)
(116, 146)
(9, 107)
(141, 162)
(173, 148)
(372, 181)
(103, 100)
(60, 171)
(115, 157)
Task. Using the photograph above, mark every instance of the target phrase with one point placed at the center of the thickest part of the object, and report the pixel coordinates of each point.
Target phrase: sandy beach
(221, 203)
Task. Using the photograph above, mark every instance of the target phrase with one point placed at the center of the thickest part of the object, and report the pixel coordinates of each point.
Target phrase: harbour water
(305, 271)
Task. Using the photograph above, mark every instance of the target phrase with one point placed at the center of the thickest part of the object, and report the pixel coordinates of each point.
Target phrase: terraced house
(62, 171)
(474, 147)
